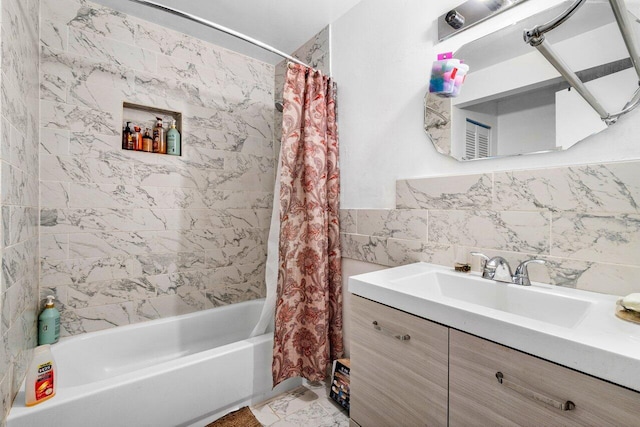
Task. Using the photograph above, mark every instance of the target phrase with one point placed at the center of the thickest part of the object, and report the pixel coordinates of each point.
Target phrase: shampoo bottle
(137, 138)
(127, 137)
(173, 140)
(40, 383)
(147, 142)
(49, 323)
(159, 141)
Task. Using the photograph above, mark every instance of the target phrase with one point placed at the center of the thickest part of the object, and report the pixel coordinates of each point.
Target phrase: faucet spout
(498, 269)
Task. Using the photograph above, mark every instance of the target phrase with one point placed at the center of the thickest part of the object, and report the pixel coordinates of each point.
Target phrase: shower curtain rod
(221, 28)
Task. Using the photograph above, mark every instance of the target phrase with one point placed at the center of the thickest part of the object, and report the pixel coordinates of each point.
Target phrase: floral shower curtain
(308, 316)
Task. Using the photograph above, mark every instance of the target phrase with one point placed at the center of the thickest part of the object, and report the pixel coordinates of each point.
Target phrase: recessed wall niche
(145, 117)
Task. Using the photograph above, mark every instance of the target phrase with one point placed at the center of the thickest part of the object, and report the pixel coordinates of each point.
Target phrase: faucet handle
(484, 261)
(481, 255)
(483, 264)
(521, 275)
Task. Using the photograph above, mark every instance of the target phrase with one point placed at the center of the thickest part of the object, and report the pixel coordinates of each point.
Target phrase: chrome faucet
(521, 276)
(498, 269)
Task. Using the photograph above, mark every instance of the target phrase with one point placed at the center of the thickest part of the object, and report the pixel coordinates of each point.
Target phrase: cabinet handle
(377, 327)
(563, 406)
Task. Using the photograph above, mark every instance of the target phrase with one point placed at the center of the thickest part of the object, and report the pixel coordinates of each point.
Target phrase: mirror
(513, 101)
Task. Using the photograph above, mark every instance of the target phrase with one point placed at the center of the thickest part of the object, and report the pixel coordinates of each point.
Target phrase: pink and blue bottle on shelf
(447, 76)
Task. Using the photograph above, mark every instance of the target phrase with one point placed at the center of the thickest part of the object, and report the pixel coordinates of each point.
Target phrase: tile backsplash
(19, 193)
(583, 220)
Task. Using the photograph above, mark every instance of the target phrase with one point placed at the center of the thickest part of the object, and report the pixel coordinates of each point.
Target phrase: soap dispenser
(173, 140)
(49, 323)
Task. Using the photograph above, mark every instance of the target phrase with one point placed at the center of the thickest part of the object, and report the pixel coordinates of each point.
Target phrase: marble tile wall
(19, 111)
(583, 220)
(130, 236)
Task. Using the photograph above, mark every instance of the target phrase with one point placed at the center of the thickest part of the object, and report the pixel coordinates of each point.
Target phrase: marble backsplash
(131, 236)
(19, 111)
(583, 220)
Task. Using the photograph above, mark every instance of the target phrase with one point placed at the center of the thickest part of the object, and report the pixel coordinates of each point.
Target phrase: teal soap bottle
(173, 140)
(49, 323)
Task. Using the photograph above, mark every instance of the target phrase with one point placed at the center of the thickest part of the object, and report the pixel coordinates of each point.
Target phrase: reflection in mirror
(514, 102)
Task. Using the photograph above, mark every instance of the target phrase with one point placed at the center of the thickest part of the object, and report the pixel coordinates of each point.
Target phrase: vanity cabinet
(533, 392)
(441, 376)
(398, 367)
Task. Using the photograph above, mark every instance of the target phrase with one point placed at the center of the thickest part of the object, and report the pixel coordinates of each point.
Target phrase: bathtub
(182, 371)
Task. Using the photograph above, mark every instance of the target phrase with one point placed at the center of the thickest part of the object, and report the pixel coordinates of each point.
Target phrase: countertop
(600, 344)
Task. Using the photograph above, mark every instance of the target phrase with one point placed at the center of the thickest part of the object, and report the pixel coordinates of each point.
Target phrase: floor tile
(307, 405)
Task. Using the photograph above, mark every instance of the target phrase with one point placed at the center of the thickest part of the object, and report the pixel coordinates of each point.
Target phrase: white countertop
(599, 344)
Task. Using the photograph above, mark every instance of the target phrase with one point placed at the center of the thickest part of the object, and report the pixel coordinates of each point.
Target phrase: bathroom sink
(533, 302)
(572, 327)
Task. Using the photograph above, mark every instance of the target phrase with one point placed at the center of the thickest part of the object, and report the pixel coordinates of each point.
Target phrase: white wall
(527, 123)
(381, 58)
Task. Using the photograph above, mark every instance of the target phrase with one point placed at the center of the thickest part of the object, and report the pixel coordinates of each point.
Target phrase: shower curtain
(308, 314)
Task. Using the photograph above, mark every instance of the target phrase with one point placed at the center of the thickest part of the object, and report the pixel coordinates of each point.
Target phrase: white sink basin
(574, 328)
(533, 302)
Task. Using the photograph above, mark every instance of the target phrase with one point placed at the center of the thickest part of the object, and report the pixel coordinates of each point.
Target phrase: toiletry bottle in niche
(173, 140)
(147, 141)
(127, 137)
(41, 380)
(137, 138)
(124, 137)
(49, 323)
(159, 138)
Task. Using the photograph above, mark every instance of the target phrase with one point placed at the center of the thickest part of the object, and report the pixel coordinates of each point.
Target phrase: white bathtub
(182, 371)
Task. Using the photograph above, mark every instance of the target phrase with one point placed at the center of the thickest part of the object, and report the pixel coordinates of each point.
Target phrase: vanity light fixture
(469, 14)
(454, 19)
(495, 5)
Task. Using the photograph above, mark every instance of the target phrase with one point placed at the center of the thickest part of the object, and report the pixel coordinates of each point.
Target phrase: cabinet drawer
(530, 390)
(397, 382)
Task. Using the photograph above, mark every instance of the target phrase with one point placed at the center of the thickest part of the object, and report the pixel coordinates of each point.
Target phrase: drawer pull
(404, 337)
(563, 406)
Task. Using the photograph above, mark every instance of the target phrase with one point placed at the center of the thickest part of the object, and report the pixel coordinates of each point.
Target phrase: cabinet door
(531, 391)
(397, 382)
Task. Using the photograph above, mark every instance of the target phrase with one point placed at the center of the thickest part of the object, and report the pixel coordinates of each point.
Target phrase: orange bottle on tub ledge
(41, 381)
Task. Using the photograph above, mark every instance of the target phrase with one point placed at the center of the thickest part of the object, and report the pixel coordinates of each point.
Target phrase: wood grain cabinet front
(491, 385)
(398, 368)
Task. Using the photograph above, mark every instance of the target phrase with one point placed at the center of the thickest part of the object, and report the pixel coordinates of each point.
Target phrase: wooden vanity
(409, 371)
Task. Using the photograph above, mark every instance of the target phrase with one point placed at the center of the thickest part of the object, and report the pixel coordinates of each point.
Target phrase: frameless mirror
(514, 102)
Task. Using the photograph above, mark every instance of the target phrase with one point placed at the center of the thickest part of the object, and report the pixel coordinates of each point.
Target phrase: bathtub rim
(67, 394)
(158, 321)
